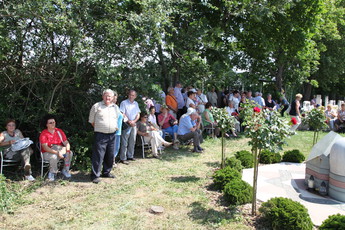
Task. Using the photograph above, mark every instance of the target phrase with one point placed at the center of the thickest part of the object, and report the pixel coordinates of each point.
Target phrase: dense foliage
(333, 222)
(246, 158)
(223, 176)
(8, 195)
(57, 56)
(283, 213)
(268, 157)
(234, 163)
(238, 192)
(293, 156)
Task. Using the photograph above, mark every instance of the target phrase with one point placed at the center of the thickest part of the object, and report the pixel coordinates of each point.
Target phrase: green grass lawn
(179, 183)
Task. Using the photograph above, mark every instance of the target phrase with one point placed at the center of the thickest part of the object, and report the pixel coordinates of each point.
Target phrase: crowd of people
(181, 118)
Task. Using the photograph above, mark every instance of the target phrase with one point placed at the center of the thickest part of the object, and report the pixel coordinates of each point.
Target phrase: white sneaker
(29, 178)
(51, 176)
(66, 173)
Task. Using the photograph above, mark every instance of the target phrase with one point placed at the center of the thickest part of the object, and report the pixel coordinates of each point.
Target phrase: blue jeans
(102, 154)
(117, 144)
(171, 130)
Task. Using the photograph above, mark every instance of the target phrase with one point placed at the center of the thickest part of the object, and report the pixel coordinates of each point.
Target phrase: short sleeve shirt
(166, 123)
(50, 139)
(104, 117)
(185, 125)
(130, 109)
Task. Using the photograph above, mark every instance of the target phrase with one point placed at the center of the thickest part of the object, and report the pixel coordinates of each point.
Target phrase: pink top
(166, 122)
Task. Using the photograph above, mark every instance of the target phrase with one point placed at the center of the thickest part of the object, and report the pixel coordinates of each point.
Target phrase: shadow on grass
(209, 215)
(213, 164)
(185, 179)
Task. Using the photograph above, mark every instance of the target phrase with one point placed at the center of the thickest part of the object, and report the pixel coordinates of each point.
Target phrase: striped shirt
(104, 117)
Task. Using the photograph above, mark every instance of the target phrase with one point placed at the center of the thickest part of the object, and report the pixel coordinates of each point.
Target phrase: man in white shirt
(131, 111)
(103, 117)
(259, 100)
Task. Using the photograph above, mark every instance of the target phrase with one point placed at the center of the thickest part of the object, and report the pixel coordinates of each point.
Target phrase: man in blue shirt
(189, 127)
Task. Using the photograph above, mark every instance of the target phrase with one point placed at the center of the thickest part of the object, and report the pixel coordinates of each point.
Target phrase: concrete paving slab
(287, 180)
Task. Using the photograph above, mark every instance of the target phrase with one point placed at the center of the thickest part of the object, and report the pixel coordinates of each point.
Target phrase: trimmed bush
(246, 158)
(333, 222)
(238, 192)
(234, 163)
(268, 157)
(293, 156)
(223, 176)
(283, 213)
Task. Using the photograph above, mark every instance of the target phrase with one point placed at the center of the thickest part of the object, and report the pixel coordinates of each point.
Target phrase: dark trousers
(285, 107)
(196, 135)
(102, 154)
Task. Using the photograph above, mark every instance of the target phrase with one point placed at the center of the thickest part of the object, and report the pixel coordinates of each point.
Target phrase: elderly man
(189, 128)
(131, 111)
(179, 98)
(259, 100)
(103, 117)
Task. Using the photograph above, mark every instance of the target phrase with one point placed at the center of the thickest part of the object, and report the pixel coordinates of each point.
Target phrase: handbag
(172, 122)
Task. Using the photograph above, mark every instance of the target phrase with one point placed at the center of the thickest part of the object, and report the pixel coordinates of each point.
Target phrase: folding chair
(7, 162)
(145, 145)
(209, 130)
(44, 163)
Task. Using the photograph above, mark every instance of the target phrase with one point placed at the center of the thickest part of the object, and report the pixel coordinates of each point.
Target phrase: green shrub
(268, 157)
(283, 213)
(82, 148)
(238, 192)
(293, 156)
(246, 158)
(8, 195)
(234, 163)
(222, 176)
(333, 222)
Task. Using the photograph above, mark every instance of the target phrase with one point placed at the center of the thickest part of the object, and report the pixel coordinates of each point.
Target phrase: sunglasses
(52, 122)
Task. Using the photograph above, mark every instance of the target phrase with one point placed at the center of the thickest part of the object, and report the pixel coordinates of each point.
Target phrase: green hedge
(333, 222)
(238, 192)
(234, 163)
(246, 158)
(223, 176)
(268, 157)
(293, 156)
(285, 214)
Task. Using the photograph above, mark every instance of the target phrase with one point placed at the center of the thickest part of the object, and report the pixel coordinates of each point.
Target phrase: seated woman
(330, 116)
(9, 137)
(55, 146)
(150, 134)
(341, 117)
(208, 120)
(169, 124)
(232, 112)
(270, 104)
(152, 120)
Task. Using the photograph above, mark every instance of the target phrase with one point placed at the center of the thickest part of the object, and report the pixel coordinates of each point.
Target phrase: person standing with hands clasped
(104, 118)
(131, 112)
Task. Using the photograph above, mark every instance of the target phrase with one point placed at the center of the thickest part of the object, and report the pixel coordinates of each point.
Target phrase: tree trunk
(279, 78)
(164, 70)
(223, 151)
(255, 180)
(307, 91)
